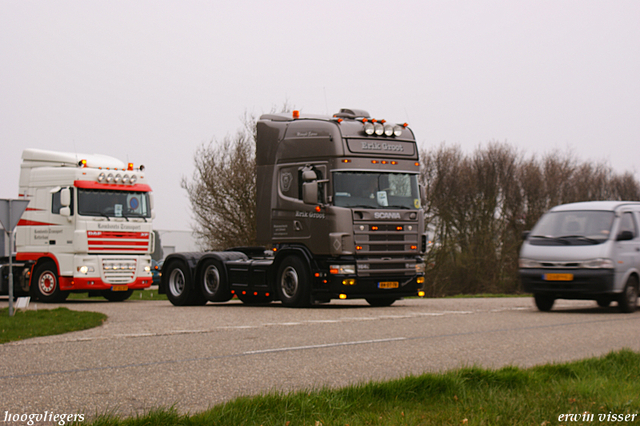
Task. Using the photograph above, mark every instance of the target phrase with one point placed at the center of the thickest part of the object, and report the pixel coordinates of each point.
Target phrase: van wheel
(180, 289)
(45, 285)
(213, 282)
(117, 296)
(628, 300)
(544, 302)
(293, 284)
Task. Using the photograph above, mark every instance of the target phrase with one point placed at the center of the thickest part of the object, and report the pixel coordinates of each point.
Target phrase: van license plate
(557, 277)
(388, 284)
(119, 288)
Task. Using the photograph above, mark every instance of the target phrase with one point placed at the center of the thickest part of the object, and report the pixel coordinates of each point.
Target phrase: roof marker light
(130, 166)
(296, 114)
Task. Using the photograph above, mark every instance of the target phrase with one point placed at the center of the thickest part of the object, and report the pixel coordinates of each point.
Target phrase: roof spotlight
(379, 129)
(368, 128)
(388, 130)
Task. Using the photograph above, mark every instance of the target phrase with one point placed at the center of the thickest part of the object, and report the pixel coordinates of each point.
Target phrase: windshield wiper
(399, 207)
(105, 215)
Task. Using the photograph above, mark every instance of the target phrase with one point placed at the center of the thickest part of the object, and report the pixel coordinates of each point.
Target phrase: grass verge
(592, 391)
(45, 322)
(150, 294)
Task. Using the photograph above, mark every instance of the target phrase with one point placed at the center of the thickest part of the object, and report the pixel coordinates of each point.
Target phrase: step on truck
(338, 212)
(87, 228)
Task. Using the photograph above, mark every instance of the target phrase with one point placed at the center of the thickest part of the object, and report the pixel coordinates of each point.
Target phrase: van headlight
(528, 263)
(599, 263)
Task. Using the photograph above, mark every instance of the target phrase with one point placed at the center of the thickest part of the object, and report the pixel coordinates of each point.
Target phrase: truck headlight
(342, 269)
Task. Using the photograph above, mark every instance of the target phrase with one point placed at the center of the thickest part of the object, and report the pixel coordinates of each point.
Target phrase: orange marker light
(296, 114)
(130, 166)
(318, 209)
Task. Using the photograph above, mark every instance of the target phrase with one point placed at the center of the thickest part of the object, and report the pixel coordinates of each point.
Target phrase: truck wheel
(45, 285)
(628, 300)
(213, 282)
(544, 302)
(180, 290)
(378, 302)
(116, 296)
(293, 285)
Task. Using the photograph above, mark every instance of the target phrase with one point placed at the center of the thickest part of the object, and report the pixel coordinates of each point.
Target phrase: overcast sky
(150, 81)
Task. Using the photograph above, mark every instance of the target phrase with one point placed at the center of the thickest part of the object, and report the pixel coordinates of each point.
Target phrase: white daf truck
(87, 228)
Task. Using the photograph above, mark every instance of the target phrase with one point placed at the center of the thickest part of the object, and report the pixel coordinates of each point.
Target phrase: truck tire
(293, 283)
(116, 296)
(180, 290)
(45, 285)
(213, 282)
(628, 299)
(544, 302)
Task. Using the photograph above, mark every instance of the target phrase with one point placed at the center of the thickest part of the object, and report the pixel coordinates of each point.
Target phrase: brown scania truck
(338, 212)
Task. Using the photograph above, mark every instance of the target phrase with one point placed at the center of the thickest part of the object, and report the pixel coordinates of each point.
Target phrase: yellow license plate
(388, 284)
(119, 288)
(557, 277)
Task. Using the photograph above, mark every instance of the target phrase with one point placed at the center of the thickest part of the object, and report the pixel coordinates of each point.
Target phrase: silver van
(588, 250)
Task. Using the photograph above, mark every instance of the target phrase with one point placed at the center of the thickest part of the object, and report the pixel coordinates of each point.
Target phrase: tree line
(477, 204)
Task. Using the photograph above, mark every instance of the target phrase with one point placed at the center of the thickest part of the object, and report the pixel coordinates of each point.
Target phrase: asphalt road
(152, 354)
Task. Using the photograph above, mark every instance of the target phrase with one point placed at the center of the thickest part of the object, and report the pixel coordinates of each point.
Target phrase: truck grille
(119, 271)
(388, 248)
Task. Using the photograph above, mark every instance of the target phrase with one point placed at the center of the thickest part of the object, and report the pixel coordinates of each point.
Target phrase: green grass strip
(45, 322)
(150, 294)
(591, 391)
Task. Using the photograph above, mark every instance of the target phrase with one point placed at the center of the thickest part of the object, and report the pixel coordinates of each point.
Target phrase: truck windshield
(572, 228)
(127, 204)
(376, 190)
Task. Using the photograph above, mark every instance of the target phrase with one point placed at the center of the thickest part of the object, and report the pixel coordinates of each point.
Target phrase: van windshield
(376, 190)
(572, 228)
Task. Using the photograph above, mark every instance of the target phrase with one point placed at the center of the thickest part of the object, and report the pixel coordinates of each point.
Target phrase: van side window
(55, 202)
(628, 224)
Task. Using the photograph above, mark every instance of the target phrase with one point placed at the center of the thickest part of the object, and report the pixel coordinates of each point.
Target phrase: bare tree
(222, 190)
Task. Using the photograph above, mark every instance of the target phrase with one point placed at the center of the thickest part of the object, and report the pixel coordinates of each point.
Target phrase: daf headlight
(528, 263)
(599, 263)
(147, 268)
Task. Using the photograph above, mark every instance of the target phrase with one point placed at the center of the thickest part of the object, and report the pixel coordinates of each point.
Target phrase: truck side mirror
(309, 175)
(65, 211)
(65, 197)
(310, 192)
